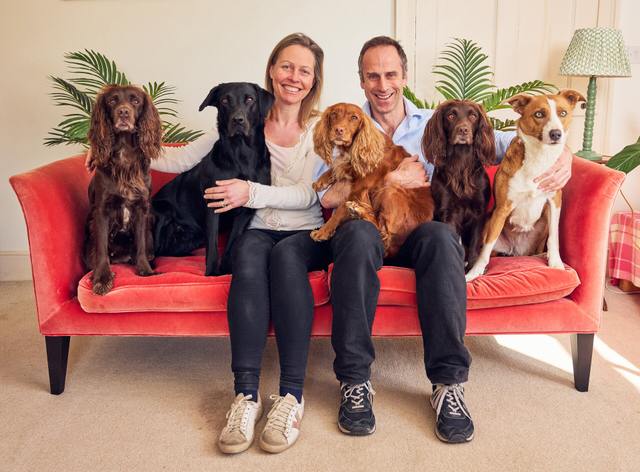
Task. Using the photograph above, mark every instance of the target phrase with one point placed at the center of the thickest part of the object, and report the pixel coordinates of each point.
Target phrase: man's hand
(409, 174)
(558, 176)
(336, 194)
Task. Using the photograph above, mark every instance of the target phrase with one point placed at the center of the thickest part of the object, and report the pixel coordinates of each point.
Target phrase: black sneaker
(454, 423)
(356, 416)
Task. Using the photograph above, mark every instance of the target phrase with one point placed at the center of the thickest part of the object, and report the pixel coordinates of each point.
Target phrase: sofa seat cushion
(508, 281)
(181, 287)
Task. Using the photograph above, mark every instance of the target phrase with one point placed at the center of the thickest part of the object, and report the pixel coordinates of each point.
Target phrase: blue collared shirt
(409, 135)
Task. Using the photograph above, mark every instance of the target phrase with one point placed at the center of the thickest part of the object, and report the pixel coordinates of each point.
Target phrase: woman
(263, 287)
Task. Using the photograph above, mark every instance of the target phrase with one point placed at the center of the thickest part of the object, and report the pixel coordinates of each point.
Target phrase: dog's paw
(556, 263)
(319, 235)
(473, 273)
(355, 210)
(318, 186)
(103, 285)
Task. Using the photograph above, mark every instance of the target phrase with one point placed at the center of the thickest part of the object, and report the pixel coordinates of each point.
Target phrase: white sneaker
(238, 435)
(283, 427)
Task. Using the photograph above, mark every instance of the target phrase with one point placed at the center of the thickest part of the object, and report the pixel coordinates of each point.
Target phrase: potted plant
(465, 76)
(93, 70)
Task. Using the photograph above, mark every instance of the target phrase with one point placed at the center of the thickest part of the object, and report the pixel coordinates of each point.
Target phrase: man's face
(383, 79)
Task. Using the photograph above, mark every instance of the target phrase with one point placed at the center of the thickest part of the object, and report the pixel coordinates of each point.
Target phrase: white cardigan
(288, 204)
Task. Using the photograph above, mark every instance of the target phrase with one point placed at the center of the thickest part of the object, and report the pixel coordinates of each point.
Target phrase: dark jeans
(435, 254)
(266, 284)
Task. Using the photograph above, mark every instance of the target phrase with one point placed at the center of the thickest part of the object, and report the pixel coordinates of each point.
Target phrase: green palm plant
(93, 70)
(466, 76)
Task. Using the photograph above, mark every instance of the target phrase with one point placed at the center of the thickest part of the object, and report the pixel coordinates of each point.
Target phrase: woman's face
(292, 75)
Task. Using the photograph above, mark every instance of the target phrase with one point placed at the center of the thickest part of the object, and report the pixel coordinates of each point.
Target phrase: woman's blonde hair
(309, 105)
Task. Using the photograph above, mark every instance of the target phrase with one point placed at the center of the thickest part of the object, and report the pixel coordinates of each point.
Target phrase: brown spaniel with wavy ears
(459, 141)
(365, 157)
(125, 134)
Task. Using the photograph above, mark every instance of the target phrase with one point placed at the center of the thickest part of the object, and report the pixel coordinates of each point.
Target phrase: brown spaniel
(459, 142)
(365, 157)
(125, 134)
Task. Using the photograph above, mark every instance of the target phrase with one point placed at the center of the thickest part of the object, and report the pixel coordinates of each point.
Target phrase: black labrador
(183, 222)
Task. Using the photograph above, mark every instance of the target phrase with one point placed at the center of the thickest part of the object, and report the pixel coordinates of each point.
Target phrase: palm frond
(160, 95)
(176, 134)
(69, 95)
(96, 69)
(465, 76)
(496, 99)
(499, 125)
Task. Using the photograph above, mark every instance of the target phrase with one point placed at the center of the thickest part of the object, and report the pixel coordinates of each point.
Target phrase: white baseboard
(15, 265)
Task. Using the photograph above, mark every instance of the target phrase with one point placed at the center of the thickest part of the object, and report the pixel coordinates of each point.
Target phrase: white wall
(192, 44)
(625, 119)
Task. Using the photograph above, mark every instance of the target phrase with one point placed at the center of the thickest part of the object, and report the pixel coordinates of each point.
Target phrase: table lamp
(595, 52)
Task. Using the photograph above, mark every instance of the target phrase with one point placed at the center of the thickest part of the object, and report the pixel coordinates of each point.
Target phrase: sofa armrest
(587, 203)
(55, 205)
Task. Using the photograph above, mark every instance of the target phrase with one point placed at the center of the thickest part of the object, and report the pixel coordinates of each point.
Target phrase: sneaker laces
(238, 415)
(281, 415)
(356, 393)
(453, 395)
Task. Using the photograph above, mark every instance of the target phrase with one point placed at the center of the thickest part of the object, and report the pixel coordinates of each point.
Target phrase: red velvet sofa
(516, 295)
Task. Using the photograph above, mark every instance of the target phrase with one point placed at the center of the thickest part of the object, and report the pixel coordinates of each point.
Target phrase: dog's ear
(150, 129)
(518, 102)
(367, 147)
(572, 97)
(212, 98)
(101, 132)
(321, 144)
(266, 100)
(434, 139)
(484, 141)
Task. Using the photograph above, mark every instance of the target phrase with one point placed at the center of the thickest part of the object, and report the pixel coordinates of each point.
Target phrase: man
(432, 250)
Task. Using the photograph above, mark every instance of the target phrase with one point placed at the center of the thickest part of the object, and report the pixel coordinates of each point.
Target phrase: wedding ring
(222, 203)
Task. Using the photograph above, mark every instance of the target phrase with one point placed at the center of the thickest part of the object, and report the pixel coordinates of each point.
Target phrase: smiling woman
(266, 285)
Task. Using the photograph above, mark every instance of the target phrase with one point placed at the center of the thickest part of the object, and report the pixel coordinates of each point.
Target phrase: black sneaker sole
(357, 431)
(455, 439)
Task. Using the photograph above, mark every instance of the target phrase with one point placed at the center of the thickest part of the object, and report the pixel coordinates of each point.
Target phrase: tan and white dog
(524, 217)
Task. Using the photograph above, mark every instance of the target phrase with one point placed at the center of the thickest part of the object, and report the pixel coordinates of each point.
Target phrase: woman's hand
(88, 163)
(230, 194)
(559, 174)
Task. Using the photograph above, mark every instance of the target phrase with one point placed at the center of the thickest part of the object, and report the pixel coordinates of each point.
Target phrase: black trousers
(435, 254)
(270, 282)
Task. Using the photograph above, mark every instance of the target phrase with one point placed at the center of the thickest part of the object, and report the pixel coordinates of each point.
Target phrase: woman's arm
(182, 158)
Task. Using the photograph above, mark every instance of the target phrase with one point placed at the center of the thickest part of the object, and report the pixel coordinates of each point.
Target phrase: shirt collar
(412, 117)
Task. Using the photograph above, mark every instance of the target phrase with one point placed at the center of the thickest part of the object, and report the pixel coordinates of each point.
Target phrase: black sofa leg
(582, 351)
(57, 356)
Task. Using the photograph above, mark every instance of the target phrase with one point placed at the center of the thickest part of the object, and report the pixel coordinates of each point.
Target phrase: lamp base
(589, 155)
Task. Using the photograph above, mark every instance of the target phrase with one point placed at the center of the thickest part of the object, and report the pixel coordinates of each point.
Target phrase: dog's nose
(338, 130)
(463, 130)
(238, 120)
(123, 112)
(555, 135)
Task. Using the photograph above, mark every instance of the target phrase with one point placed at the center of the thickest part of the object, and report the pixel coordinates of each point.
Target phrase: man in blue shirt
(432, 250)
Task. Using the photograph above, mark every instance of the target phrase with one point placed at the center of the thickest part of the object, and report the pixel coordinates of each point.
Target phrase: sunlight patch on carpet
(540, 347)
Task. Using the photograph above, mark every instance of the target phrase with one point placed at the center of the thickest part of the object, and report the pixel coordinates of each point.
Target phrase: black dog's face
(241, 106)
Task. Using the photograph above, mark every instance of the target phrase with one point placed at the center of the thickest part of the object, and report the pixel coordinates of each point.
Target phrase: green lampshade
(599, 52)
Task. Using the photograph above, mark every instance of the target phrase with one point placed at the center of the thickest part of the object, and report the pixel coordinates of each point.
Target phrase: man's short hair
(383, 41)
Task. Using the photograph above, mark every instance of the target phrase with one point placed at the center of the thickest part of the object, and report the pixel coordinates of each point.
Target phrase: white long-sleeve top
(288, 204)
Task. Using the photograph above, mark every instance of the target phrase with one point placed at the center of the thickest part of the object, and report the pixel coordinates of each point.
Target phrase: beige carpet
(138, 404)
